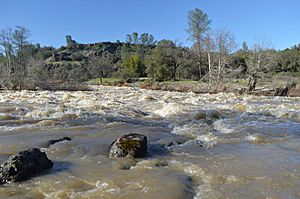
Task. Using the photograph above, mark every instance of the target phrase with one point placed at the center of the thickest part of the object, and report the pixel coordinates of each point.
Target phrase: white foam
(168, 109)
(223, 127)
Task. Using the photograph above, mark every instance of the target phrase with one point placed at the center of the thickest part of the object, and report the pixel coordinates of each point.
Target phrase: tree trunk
(199, 57)
(252, 82)
(209, 70)
(219, 74)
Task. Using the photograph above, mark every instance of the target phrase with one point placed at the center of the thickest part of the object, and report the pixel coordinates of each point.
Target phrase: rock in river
(133, 145)
(51, 142)
(24, 165)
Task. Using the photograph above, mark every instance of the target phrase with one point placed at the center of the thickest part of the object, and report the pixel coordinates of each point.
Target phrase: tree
(245, 47)
(6, 42)
(99, 67)
(144, 38)
(135, 38)
(133, 67)
(164, 62)
(259, 60)
(225, 44)
(22, 55)
(198, 25)
(151, 40)
(209, 47)
(15, 45)
(128, 39)
(218, 46)
(287, 61)
(21, 41)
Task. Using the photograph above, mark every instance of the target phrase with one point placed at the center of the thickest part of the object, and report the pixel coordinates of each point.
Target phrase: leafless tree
(99, 67)
(225, 44)
(260, 58)
(20, 40)
(209, 48)
(6, 46)
(12, 44)
(37, 76)
(218, 46)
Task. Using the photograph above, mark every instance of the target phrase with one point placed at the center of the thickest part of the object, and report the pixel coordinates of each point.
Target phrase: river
(200, 145)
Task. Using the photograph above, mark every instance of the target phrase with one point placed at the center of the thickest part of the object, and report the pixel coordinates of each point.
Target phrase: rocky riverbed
(199, 145)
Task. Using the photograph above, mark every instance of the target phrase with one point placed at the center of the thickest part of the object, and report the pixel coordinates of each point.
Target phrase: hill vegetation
(214, 59)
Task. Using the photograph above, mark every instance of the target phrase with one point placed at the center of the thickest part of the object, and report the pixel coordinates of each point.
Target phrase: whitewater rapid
(200, 145)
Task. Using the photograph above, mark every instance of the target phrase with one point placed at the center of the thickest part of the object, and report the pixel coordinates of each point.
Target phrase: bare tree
(20, 40)
(218, 47)
(209, 47)
(99, 67)
(13, 44)
(37, 76)
(6, 44)
(225, 44)
(260, 58)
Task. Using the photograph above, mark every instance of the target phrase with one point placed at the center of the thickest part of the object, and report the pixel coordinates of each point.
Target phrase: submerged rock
(51, 142)
(24, 165)
(172, 141)
(211, 115)
(125, 163)
(134, 145)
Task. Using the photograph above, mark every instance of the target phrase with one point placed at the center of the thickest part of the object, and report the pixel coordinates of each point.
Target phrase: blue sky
(277, 21)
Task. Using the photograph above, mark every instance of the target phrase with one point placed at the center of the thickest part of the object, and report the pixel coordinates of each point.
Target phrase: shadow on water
(156, 150)
(58, 167)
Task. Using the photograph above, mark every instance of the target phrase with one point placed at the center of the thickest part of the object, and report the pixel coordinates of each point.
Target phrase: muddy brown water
(230, 146)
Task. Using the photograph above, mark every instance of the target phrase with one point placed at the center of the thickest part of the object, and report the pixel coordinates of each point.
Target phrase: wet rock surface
(131, 145)
(24, 165)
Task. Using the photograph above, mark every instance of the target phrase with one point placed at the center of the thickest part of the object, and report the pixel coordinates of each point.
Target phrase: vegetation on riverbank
(213, 63)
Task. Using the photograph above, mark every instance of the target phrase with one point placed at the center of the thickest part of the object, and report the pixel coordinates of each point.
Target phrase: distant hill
(78, 54)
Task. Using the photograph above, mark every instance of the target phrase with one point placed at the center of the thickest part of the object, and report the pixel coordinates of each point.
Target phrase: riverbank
(271, 86)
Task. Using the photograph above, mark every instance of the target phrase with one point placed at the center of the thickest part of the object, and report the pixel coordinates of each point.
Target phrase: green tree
(164, 62)
(198, 25)
(128, 39)
(245, 47)
(144, 38)
(287, 61)
(133, 67)
(135, 38)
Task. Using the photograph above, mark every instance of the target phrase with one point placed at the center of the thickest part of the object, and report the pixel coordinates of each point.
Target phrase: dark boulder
(132, 145)
(24, 165)
(51, 142)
